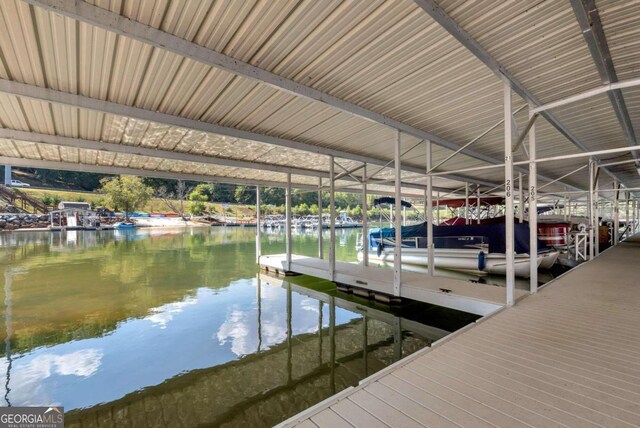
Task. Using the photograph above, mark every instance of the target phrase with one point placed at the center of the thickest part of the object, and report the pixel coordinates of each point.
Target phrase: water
(177, 327)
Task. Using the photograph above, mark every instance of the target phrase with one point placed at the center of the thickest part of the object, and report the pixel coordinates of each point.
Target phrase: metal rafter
(113, 22)
(445, 21)
(80, 143)
(94, 104)
(589, 19)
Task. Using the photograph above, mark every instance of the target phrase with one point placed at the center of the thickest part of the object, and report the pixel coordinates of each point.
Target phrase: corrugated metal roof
(387, 56)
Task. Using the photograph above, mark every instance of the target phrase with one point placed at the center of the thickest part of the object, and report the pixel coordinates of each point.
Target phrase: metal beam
(79, 101)
(113, 22)
(589, 19)
(80, 143)
(452, 27)
(113, 170)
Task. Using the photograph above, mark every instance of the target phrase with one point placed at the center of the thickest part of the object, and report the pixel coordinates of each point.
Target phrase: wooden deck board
(567, 356)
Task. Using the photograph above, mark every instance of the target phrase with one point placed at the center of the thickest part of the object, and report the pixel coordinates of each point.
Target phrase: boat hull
(458, 260)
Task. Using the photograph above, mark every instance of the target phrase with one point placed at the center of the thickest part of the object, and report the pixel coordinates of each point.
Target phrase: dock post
(590, 210)
(332, 223)
(258, 229)
(429, 212)
(7, 175)
(466, 204)
(365, 218)
(634, 211)
(616, 212)
(626, 215)
(397, 249)
(478, 204)
(288, 221)
(533, 208)
(320, 239)
(508, 196)
(438, 208)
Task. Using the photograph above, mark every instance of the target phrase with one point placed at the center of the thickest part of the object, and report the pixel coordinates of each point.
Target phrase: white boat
(464, 260)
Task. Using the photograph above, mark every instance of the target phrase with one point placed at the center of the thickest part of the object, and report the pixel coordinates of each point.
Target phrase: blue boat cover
(495, 234)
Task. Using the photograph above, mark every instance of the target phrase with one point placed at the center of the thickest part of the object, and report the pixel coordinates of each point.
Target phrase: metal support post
(596, 214)
(438, 208)
(466, 204)
(616, 213)
(397, 249)
(332, 220)
(634, 211)
(591, 209)
(508, 178)
(258, 228)
(320, 239)
(520, 199)
(533, 210)
(478, 205)
(429, 213)
(626, 215)
(288, 222)
(365, 219)
(7, 175)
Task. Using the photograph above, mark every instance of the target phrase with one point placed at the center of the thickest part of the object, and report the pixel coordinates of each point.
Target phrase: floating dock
(566, 356)
(478, 299)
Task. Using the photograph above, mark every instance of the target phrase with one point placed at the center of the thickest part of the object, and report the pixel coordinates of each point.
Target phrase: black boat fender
(379, 249)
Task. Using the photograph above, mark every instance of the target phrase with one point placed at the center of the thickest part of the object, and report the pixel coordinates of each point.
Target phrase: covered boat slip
(565, 356)
(479, 299)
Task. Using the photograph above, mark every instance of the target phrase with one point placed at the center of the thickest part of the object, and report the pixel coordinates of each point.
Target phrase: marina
(320, 213)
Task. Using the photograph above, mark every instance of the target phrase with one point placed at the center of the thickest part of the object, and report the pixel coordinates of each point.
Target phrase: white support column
(478, 206)
(520, 199)
(288, 222)
(626, 216)
(590, 210)
(616, 212)
(397, 250)
(258, 226)
(508, 178)
(332, 223)
(429, 213)
(596, 216)
(320, 239)
(634, 211)
(404, 216)
(467, 220)
(533, 209)
(365, 219)
(7, 175)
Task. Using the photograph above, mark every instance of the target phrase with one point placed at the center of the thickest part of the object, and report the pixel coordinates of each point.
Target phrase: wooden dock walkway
(566, 356)
(479, 299)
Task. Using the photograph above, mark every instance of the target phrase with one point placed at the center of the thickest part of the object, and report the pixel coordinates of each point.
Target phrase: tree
(198, 197)
(175, 200)
(245, 195)
(126, 192)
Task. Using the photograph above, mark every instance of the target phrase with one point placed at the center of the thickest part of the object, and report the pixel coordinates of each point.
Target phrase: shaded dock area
(566, 356)
(478, 299)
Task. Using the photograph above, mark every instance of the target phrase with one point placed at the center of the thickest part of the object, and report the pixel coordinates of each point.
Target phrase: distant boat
(124, 225)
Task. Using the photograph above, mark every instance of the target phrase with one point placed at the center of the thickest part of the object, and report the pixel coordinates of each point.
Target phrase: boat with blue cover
(478, 248)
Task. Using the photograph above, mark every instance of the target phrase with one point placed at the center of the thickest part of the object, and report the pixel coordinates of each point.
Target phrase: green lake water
(177, 327)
